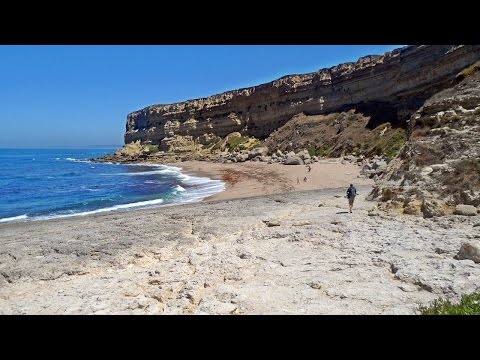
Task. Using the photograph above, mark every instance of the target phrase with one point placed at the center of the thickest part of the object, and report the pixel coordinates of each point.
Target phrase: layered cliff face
(437, 172)
(386, 88)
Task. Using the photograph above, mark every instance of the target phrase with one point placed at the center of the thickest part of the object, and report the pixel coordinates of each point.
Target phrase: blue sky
(81, 95)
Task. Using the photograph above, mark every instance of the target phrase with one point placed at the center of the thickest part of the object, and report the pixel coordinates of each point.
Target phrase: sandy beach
(256, 178)
(266, 245)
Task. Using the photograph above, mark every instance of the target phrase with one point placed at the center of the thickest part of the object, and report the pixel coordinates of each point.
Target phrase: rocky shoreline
(290, 253)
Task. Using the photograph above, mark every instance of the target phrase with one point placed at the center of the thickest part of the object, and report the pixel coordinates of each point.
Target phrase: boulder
(427, 170)
(467, 210)
(303, 154)
(293, 160)
(374, 212)
(260, 151)
(241, 157)
(469, 250)
(431, 208)
(470, 197)
(413, 208)
(379, 164)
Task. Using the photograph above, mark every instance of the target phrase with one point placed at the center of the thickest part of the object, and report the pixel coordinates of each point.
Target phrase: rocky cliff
(437, 172)
(386, 88)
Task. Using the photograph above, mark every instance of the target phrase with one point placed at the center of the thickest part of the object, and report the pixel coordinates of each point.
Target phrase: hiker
(351, 193)
(305, 179)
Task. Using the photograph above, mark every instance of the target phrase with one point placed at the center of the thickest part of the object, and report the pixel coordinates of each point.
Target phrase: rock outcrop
(437, 172)
(385, 87)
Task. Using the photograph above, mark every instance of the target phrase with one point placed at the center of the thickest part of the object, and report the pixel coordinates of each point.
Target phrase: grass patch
(394, 142)
(468, 305)
(387, 145)
(233, 142)
(319, 151)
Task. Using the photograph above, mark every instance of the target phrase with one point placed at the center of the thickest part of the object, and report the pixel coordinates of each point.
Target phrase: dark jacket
(351, 192)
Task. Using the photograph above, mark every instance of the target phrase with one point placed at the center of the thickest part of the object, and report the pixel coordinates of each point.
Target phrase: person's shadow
(342, 212)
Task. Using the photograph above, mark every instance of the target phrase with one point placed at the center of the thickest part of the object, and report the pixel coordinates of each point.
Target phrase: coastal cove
(235, 202)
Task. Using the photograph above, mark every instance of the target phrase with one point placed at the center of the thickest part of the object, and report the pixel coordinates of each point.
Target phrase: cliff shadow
(385, 112)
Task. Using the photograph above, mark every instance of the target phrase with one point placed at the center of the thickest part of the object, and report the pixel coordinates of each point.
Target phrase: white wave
(158, 166)
(20, 217)
(179, 188)
(202, 192)
(195, 180)
(152, 172)
(78, 160)
(108, 209)
(57, 158)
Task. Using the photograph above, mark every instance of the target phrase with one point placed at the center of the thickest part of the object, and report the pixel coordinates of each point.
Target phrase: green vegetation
(233, 142)
(395, 142)
(314, 150)
(469, 305)
(389, 144)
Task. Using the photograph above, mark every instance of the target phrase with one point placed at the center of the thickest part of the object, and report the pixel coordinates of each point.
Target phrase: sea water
(38, 184)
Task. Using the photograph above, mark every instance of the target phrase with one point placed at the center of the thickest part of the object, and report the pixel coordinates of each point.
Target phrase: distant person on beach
(309, 168)
(305, 179)
(351, 193)
(298, 180)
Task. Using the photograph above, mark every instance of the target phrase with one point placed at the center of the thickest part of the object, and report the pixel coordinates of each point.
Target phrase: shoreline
(243, 180)
(251, 249)
(291, 253)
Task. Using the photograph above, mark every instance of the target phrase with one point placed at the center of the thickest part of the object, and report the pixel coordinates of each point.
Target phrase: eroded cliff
(386, 88)
(437, 172)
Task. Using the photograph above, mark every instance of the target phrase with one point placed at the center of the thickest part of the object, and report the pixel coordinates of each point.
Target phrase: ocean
(39, 184)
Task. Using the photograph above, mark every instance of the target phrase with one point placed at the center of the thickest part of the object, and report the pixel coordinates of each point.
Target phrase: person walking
(351, 193)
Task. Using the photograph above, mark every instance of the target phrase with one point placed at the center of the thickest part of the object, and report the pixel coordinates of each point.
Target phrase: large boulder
(259, 151)
(431, 208)
(293, 160)
(467, 210)
(303, 155)
(470, 250)
(413, 207)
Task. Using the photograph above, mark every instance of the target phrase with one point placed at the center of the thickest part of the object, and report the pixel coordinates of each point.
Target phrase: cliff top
(293, 80)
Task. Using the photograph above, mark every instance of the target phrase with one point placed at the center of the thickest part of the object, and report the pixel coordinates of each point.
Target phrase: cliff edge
(397, 83)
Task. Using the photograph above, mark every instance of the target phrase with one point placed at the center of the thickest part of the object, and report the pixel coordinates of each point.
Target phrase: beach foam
(14, 218)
